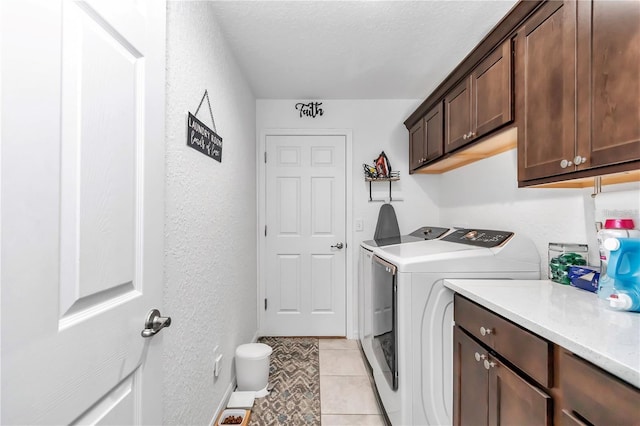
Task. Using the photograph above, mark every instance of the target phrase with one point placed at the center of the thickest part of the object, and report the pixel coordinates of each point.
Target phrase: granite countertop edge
(607, 361)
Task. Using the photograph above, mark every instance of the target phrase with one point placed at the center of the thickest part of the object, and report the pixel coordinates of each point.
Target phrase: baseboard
(224, 401)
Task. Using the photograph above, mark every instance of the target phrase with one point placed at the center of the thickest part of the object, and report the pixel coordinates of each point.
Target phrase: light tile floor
(346, 395)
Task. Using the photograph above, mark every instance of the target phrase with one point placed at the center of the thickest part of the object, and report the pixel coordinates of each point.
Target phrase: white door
(305, 242)
(82, 181)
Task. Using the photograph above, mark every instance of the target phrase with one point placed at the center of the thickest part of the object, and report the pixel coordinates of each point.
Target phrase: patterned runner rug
(294, 375)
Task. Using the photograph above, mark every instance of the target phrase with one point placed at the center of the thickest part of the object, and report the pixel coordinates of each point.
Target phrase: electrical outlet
(217, 365)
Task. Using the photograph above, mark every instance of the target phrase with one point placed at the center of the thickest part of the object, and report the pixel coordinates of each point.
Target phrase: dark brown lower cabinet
(487, 392)
(593, 396)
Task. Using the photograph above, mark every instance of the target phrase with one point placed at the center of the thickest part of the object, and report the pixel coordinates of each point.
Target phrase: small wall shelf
(388, 179)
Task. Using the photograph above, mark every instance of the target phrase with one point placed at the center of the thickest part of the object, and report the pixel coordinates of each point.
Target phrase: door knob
(154, 323)
(485, 331)
(489, 364)
(338, 246)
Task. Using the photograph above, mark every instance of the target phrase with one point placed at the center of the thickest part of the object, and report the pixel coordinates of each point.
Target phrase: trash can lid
(253, 351)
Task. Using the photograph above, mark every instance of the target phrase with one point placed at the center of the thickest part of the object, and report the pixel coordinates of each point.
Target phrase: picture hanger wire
(206, 95)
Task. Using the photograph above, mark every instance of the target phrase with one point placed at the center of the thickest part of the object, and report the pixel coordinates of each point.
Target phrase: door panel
(609, 51)
(433, 133)
(492, 91)
(546, 49)
(458, 116)
(305, 203)
(82, 210)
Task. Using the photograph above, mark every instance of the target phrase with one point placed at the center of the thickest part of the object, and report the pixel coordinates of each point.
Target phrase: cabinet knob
(479, 357)
(465, 136)
(471, 134)
(485, 331)
(565, 163)
(489, 364)
(579, 160)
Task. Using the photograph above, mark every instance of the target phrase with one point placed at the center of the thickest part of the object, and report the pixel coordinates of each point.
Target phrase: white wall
(210, 275)
(485, 194)
(376, 125)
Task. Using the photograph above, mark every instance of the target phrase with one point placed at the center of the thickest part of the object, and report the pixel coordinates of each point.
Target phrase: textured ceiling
(352, 49)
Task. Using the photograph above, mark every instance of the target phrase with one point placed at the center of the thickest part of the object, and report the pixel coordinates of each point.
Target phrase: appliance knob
(564, 164)
(489, 364)
(485, 331)
(479, 357)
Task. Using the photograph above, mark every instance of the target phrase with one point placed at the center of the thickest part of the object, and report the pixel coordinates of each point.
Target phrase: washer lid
(253, 351)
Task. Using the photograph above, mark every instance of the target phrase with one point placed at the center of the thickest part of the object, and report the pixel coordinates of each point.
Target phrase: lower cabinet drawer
(529, 352)
(594, 395)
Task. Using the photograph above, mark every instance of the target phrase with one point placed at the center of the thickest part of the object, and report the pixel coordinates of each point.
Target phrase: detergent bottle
(624, 270)
(613, 228)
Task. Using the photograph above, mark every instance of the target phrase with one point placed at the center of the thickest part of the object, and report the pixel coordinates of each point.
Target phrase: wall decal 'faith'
(312, 109)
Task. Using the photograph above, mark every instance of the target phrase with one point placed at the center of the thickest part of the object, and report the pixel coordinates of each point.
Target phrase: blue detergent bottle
(624, 270)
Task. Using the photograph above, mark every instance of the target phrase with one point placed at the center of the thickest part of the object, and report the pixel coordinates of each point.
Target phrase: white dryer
(411, 347)
(370, 310)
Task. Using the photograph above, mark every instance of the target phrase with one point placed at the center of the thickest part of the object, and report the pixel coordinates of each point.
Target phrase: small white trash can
(252, 368)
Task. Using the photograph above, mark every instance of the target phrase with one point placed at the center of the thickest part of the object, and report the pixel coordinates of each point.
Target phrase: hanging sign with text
(202, 138)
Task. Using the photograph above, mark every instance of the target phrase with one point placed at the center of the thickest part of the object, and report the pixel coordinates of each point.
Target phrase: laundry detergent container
(252, 368)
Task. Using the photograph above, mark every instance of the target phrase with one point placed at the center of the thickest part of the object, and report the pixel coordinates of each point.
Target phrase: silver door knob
(154, 323)
(579, 160)
(338, 246)
(489, 364)
(564, 164)
(485, 331)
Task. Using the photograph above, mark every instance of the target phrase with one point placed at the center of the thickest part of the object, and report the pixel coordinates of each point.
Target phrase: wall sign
(200, 137)
(312, 109)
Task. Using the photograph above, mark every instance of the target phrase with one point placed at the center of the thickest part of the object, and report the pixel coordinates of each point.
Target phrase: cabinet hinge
(265, 156)
(265, 230)
(265, 304)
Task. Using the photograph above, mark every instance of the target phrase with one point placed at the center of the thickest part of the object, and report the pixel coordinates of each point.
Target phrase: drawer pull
(485, 331)
(489, 364)
(479, 357)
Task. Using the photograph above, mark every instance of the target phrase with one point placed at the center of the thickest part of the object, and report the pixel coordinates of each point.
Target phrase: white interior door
(82, 182)
(305, 217)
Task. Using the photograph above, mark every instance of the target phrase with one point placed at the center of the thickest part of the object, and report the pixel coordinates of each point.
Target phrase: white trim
(350, 287)
(224, 401)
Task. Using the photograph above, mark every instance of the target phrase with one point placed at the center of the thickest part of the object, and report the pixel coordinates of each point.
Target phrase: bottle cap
(618, 224)
(611, 244)
(620, 301)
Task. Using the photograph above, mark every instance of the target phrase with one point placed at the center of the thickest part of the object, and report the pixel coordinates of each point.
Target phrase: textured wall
(376, 125)
(485, 194)
(210, 275)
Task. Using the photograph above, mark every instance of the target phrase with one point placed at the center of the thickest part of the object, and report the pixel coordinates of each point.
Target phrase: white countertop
(570, 317)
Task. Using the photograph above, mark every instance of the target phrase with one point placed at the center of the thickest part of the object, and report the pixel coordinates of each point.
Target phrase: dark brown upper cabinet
(482, 102)
(578, 85)
(426, 138)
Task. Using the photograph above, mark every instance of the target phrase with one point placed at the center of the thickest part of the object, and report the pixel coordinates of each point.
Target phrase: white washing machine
(368, 309)
(411, 349)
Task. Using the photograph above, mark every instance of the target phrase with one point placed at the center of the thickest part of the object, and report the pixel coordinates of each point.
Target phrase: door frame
(261, 185)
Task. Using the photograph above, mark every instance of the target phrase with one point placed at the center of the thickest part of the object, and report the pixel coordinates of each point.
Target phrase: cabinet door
(608, 82)
(416, 145)
(492, 94)
(545, 74)
(458, 116)
(470, 381)
(595, 395)
(513, 400)
(433, 132)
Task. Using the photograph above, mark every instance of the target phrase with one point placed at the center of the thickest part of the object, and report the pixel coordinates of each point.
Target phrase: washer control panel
(478, 237)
